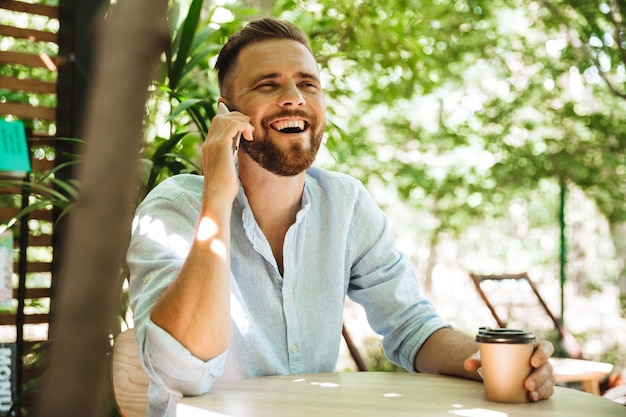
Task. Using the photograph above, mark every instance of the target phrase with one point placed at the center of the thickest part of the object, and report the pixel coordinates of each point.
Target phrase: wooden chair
(130, 381)
(568, 342)
(354, 350)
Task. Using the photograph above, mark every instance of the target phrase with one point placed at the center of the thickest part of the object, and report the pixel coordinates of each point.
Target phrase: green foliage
(375, 357)
(45, 189)
(185, 95)
(464, 107)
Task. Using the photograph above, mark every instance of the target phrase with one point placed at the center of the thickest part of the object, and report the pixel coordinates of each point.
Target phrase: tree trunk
(129, 43)
(618, 233)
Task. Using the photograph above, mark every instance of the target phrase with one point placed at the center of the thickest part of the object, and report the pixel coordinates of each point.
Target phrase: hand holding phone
(222, 109)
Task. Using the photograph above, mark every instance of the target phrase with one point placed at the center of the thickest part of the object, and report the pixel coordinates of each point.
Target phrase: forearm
(444, 352)
(195, 308)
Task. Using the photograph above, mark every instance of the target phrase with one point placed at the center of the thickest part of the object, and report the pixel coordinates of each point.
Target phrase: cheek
(320, 108)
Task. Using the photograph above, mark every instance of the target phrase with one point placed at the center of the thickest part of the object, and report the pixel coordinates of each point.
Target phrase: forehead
(274, 56)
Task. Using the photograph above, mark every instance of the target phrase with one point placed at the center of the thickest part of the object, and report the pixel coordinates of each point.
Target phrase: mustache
(284, 114)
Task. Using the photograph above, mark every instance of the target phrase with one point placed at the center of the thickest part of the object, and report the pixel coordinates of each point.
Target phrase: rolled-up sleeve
(172, 366)
(163, 227)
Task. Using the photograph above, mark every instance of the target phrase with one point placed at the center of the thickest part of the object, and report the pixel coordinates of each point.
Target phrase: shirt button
(146, 279)
(287, 297)
(294, 348)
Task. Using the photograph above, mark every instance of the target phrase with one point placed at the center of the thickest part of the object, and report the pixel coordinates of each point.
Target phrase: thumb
(472, 363)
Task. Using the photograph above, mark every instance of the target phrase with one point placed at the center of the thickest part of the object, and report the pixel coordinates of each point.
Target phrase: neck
(274, 200)
(269, 192)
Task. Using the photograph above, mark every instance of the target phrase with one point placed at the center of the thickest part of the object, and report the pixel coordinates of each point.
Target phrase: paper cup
(505, 361)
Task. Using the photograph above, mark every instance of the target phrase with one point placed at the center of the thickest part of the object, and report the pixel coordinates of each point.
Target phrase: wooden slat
(9, 319)
(22, 58)
(26, 111)
(41, 165)
(11, 190)
(30, 34)
(8, 212)
(34, 293)
(44, 215)
(37, 241)
(33, 86)
(35, 136)
(35, 267)
(42, 139)
(38, 9)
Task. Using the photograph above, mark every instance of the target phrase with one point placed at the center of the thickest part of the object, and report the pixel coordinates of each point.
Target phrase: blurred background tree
(474, 109)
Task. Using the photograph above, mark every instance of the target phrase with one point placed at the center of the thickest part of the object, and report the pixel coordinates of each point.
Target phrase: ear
(225, 102)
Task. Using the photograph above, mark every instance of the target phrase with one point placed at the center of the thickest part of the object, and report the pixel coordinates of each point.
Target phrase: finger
(543, 390)
(247, 133)
(238, 127)
(472, 363)
(546, 390)
(229, 127)
(540, 383)
(543, 351)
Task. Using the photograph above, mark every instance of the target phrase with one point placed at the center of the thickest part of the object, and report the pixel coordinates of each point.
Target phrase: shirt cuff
(408, 362)
(173, 367)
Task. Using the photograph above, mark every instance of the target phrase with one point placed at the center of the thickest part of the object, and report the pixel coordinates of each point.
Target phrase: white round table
(376, 394)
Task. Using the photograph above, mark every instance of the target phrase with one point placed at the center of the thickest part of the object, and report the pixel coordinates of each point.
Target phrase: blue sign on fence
(14, 155)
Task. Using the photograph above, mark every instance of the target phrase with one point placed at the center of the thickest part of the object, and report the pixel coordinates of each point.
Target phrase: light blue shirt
(341, 244)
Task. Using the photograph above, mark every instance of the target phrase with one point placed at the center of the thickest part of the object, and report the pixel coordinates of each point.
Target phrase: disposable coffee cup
(505, 361)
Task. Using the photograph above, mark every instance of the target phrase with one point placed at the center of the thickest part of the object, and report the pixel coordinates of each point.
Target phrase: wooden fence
(28, 87)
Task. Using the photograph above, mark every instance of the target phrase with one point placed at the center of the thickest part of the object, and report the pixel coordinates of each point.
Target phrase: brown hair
(255, 31)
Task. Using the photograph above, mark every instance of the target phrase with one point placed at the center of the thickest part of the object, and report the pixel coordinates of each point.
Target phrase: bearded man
(243, 271)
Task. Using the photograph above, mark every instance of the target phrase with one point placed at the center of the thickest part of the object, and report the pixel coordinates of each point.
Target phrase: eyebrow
(274, 75)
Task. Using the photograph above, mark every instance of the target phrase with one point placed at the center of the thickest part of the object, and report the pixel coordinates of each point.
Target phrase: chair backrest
(354, 350)
(517, 293)
(130, 381)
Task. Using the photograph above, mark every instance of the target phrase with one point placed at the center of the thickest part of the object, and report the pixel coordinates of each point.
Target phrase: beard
(291, 161)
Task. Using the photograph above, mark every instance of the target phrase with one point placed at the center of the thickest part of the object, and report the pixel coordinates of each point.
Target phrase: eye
(309, 85)
(267, 85)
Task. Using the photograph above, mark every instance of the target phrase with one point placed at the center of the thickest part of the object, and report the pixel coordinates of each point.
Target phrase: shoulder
(176, 187)
(346, 197)
(334, 182)
(180, 193)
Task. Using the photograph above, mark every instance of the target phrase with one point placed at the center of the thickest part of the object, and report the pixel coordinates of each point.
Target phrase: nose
(291, 96)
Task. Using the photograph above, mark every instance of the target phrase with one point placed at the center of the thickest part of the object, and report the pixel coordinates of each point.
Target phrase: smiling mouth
(290, 126)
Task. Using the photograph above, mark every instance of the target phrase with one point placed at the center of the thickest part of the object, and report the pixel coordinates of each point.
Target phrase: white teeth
(284, 124)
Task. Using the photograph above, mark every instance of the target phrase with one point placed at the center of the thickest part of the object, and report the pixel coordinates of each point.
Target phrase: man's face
(276, 83)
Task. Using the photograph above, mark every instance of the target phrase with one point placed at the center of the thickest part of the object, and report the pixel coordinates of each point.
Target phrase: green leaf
(190, 25)
(183, 106)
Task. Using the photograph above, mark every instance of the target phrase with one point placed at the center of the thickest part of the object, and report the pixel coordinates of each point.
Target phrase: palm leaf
(190, 25)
